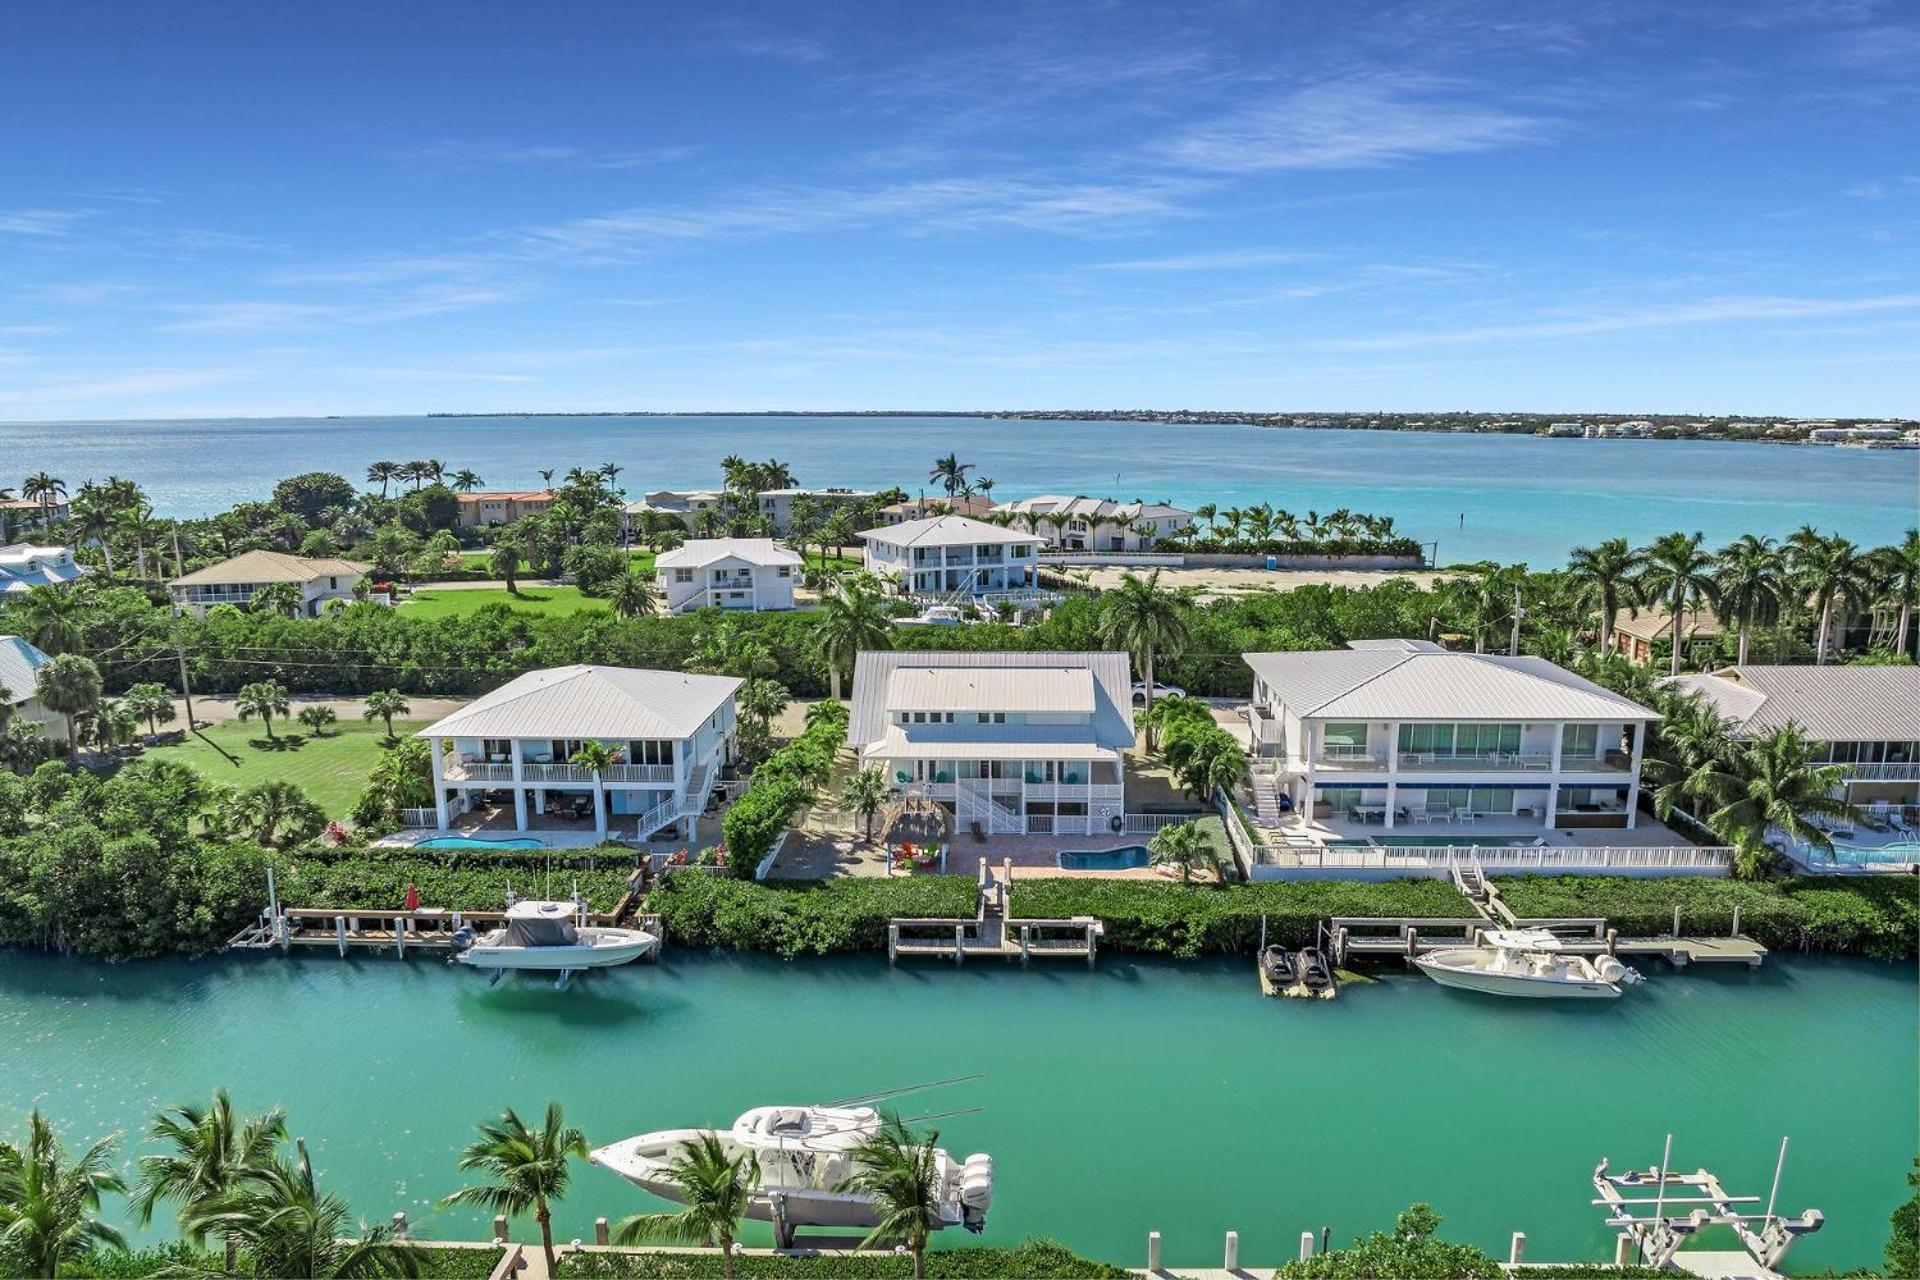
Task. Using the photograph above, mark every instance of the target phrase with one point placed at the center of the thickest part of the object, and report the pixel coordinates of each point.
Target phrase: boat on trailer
(549, 937)
(804, 1155)
(1527, 963)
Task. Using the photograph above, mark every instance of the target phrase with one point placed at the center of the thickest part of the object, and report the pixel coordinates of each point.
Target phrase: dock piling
(1736, 921)
(960, 937)
(399, 1224)
(1306, 1246)
(1517, 1249)
(1233, 1251)
(340, 933)
(1153, 1251)
(400, 936)
(601, 1236)
(1676, 920)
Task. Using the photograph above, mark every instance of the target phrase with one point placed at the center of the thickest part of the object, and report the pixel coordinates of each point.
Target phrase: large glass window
(1338, 740)
(1434, 738)
(1473, 799)
(1580, 741)
(1482, 739)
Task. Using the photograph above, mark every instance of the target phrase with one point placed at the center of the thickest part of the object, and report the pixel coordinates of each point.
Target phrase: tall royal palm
(852, 617)
(1604, 576)
(1840, 578)
(528, 1168)
(207, 1151)
(50, 1205)
(899, 1174)
(1782, 789)
(1680, 575)
(1750, 575)
(1145, 619)
(715, 1190)
(1900, 566)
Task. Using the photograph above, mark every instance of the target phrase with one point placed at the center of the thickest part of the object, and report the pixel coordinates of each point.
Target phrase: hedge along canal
(1145, 1094)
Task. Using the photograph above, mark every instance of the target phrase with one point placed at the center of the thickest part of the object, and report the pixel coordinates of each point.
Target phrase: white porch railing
(1496, 859)
(1882, 772)
(427, 817)
(1139, 824)
(539, 774)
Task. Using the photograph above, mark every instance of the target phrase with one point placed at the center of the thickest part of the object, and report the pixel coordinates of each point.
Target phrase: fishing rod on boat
(912, 1088)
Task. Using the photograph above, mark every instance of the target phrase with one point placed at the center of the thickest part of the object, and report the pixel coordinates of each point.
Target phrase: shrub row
(1038, 1259)
(459, 880)
(794, 918)
(782, 785)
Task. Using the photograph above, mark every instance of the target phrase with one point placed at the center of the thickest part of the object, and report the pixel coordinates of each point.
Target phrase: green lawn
(332, 769)
(458, 604)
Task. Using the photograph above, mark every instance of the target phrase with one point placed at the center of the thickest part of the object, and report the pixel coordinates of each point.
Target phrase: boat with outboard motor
(550, 937)
(1278, 965)
(804, 1156)
(1527, 963)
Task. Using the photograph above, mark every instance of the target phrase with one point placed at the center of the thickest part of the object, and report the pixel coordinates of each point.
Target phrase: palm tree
(319, 718)
(863, 795)
(275, 812)
(209, 1151)
(897, 1172)
(597, 757)
(633, 594)
(45, 489)
(282, 599)
(383, 473)
(1781, 787)
(94, 519)
(70, 685)
(506, 557)
(1602, 573)
(528, 1167)
(1183, 845)
(852, 618)
(715, 1191)
(1840, 577)
(950, 473)
(289, 1227)
(263, 698)
(1145, 620)
(1900, 565)
(384, 705)
(1751, 579)
(466, 481)
(54, 618)
(152, 703)
(1678, 573)
(49, 1206)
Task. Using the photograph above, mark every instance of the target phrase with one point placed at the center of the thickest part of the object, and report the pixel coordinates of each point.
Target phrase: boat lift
(1658, 1234)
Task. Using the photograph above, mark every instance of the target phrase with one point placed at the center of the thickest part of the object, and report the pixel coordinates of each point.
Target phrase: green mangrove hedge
(799, 917)
(1037, 1259)
(783, 784)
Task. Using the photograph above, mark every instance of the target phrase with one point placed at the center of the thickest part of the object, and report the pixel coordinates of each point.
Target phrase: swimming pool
(1133, 855)
(1861, 855)
(471, 842)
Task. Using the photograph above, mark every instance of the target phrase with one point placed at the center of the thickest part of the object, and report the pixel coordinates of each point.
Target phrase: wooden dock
(361, 928)
(993, 931)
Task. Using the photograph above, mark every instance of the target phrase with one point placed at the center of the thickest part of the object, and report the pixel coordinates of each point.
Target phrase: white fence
(419, 818)
(1139, 824)
(1439, 860)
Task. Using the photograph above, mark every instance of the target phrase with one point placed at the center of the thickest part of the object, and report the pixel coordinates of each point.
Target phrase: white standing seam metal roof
(1830, 704)
(697, 553)
(1424, 684)
(590, 702)
(945, 531)
(1043, 689)
(270, 566)
(20, 665)
(986, 673)
(898, 744)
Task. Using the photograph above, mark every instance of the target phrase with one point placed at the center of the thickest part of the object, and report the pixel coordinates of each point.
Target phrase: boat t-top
(805, 1155)
(553, 937)
(1527, 963)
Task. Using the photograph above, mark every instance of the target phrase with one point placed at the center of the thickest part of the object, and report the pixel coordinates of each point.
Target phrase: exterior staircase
(1266, 799)
(690, 799)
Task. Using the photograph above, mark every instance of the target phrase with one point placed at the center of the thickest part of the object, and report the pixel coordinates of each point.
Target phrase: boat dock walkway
(349, 928)
(993, 930)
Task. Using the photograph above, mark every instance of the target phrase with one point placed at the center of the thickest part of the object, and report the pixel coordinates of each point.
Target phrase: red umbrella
(413, 897)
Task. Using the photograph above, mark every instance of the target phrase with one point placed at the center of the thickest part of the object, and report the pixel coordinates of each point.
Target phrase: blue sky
(231, 208)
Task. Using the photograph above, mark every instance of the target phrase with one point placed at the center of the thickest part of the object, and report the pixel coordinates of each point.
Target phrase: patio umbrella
(413, 896)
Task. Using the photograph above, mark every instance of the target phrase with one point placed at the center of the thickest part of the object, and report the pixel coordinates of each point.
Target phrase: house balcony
(551, 774)
(1882, 772)
(1488, 762)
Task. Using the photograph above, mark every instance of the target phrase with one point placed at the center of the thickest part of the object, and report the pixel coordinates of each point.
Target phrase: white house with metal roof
(751, 574)
(1011, 743)
(20, 664)
(1866, 718)
(1099, 524)
(24, 566)
(953, 556)
(238, 580)
(673, 731)
(1403, 733)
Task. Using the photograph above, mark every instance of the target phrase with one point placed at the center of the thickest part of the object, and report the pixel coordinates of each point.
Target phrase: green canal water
(1137, 1096)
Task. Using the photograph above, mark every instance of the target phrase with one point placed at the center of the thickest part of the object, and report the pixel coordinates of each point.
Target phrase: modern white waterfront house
(751, 574)
(1403, 735)
(682, 504)
(673, 732)
(25, 565)
(20, 664)
(238, 580)
(1099, 524)
(952, 557)
(1866, 718)
(1011, 743)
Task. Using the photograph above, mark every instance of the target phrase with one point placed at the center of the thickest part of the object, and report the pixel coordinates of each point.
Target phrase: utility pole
(1518, 613)
(180, 654)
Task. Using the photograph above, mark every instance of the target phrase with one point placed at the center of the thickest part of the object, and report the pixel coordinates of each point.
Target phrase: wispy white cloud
(42, 222)
(1215, 260)
(473, 153)
(1379, 119)
(107, 390)
(266, 315)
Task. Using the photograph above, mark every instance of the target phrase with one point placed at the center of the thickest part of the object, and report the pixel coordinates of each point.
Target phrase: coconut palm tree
(1183, 845)
(1680, 575)
(852, 617)
(1900, 565)
(263, 698)
(54, 618)
(94, 519)
(1781, 788)
(383, 473)
(1145, 620)
(864, 794)
(1603, 573)
(287, 1226)
(1692, 767)
(70, 685)
(715, 1191)
(208, 1151)
(896, 1171)
(1751, 578)
(46, 490)
(49, 1205)
(528, 1167)
(633, 594)
(1840, 578)
(384, 705)
(465, 481)
(282, 599)
(950, 473)
(275, 813)
(597, 758)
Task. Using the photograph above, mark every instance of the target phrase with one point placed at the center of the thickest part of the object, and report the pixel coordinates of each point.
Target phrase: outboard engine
(1611, 970)
(463, 938)
(976, 1191)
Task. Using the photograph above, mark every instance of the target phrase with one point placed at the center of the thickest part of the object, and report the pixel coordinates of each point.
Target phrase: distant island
(1889, 433)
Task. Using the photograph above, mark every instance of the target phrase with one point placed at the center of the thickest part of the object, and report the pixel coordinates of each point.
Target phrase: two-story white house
(1405, 734)
(1098, 524)
(238, 580)
(1011, 743)
(946, 556)
(751, 574)
(673, 732)
(25, 565)
(776, 505)
(682, 504)
(1866, 718)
